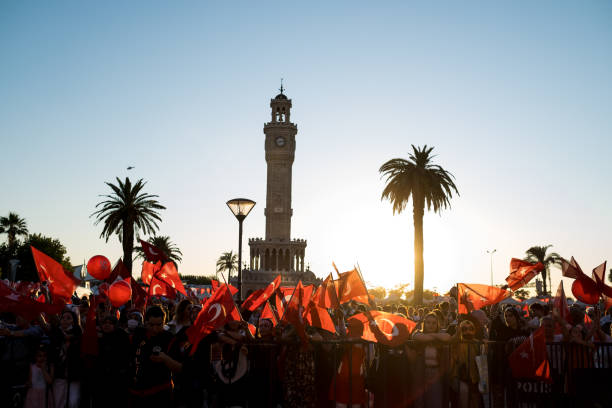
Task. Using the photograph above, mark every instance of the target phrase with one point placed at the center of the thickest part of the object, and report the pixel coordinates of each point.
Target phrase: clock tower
(280, 152)
(277, 253)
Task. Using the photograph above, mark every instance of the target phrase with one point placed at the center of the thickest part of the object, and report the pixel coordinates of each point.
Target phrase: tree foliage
(538, 254)
(428, 185)
(26, 270)
(126, 212)
(196, 279)
(13, 226)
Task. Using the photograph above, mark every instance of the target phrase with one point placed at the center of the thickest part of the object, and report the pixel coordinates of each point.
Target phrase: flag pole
(274, 312)
(372, 302)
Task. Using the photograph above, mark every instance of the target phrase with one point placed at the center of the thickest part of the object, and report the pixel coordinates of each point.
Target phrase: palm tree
(538, 254)
(426, 183)
(172, 252)
(127, 211)
(228, 261)
(13, 226)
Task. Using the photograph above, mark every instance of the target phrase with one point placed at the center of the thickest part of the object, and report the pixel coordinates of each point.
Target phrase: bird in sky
(130, 168)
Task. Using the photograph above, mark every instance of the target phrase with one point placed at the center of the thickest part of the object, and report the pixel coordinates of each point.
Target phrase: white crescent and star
(217, 308)
(347, 288)
(154, 290)
(152, 251)
(394, 331)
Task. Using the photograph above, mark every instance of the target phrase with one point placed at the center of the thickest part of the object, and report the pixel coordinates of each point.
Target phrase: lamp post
(491, 253)
(240, 207)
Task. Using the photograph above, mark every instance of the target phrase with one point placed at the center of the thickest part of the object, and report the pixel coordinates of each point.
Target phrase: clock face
(280, 141)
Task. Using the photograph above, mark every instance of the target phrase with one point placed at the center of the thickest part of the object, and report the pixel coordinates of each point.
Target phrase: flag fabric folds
(148, 270)
(15, 302)
(119, 271)
(61, 284)
(218, 310)
(152, 253)
(584, 288)
(530, 359)
(381, 327)
(598, 275)
(351, 287)
(319, 317)
(473, 296)
(326, 295)
(560, 303)
(170, 276)
(521, 272)
(260, 296)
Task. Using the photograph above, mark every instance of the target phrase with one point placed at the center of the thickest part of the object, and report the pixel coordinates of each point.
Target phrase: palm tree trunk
(128, 244)
(544, 273)
(419, 264)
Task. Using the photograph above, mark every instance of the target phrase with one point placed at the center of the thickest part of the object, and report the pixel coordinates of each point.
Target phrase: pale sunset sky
(515, 97)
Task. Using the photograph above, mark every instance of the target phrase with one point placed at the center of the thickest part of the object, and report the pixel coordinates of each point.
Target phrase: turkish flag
(61, 283)
(521, 272)
(530, 359)
(351, 287)
(139, 295)
(268, 313)
(560, 303)
(215, 284)
(295, 309)
(599, 276)
(218, 310)
(584, 288)
(148, 270)
(170, 276)
(319, 317)
(381, 327)
(152, 253)
(119, 271)
(260, 296)
(473, 296)
(159, 287)
(326, 295)
(14, 302)
(285, 294)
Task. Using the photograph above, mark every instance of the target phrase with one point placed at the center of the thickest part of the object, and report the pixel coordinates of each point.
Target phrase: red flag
(14, 302)
(259, 297)
(170, 276)
(295, 309)
(530, 359)
(148, 270)
(584, 288)
(381, 327)
(473, 296)
(521, 272)
(599, 274)
(215, 284)
(326, 295)
(118, 271)
(268, 313)
(351, 287)
(218, 310)
(560, 303)
(152, 253)
(319, 317)
(159, 287)
(139, 295)
(61, 283)
(285, 294)
(89, 341)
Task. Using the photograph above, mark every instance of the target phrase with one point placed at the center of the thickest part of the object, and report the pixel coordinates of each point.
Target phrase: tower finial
(281, 88)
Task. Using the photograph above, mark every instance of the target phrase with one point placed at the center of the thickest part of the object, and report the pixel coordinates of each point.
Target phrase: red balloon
(99, 267)
(585, 291)
(103, 290)
(119, 293)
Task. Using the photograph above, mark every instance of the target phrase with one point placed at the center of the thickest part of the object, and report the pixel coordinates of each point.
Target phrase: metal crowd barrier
(405, 376)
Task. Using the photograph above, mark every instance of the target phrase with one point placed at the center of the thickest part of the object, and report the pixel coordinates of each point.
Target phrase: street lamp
(491, 253)
(240, 207)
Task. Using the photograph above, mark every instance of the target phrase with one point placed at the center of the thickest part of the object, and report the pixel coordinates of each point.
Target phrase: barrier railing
(466, 374)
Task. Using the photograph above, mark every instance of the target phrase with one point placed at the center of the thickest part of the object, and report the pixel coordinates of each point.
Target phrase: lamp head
(241, 207)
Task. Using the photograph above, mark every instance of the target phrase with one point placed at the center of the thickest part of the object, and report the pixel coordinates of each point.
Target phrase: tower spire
(281, 88)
